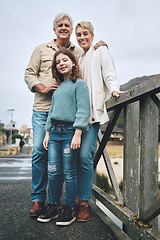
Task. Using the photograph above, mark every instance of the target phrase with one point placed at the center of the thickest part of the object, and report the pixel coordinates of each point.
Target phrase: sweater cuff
(32, 85)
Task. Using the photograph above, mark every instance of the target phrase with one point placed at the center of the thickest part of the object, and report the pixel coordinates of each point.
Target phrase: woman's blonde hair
(76, 73)
(86, 24)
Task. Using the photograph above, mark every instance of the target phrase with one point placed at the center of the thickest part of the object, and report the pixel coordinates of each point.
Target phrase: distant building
(3, 136)
(12, 125)
(27, 133)
(116, 137)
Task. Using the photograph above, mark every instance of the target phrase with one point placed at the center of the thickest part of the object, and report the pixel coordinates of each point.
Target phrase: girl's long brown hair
(76, 73)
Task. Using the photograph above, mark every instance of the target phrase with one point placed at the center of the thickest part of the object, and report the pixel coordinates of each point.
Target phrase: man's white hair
(60, 16)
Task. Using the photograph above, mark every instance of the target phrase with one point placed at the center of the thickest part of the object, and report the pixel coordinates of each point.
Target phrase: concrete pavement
(15, 202)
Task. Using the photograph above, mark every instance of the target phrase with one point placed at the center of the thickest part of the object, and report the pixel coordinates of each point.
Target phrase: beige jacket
(39, 71)
(98, 71)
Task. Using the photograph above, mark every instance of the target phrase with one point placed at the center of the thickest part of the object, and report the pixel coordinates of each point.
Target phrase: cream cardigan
(98, 71)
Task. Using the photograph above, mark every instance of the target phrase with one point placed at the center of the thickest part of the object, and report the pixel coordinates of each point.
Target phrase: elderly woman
(98, 71)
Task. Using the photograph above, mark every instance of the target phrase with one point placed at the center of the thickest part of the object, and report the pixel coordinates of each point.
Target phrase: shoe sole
(46, 220)
(65, 223)
(83, 220)
(35, 215)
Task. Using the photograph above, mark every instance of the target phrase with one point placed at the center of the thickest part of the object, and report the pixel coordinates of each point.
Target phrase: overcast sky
(129, 27)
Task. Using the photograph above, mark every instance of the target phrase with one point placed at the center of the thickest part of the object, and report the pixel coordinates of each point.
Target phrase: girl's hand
(76, 140)
(46, 140)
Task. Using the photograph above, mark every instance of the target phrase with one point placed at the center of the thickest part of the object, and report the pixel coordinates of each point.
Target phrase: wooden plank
(131, 160)
(125, 215)
(106, 135)
(116, 230)
(131, 156)
(110, 171)
(151, 213)
(140, 91)
(149, 120)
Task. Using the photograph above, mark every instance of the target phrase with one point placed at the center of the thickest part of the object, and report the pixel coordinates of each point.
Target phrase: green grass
(115, 151)
(103, 182)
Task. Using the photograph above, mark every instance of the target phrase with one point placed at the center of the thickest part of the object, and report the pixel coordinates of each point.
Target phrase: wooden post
(131, 160)
(148, 155)
(152, 212)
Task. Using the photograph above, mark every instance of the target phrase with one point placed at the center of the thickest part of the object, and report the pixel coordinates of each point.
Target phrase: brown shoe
(76, 209)
(37, 209)
(84, 214)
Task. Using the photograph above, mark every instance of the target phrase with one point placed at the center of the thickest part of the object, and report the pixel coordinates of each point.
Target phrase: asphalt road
(15, 202)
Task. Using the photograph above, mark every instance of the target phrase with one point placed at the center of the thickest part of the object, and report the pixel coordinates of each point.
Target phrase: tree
(14, 136)
(3, 130)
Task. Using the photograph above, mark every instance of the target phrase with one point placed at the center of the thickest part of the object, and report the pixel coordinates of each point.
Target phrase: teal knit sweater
(70, 102)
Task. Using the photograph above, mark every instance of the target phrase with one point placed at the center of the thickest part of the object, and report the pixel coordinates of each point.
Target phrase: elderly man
(38, 78)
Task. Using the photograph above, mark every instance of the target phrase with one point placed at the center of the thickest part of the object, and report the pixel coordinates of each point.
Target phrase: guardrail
(139, 206)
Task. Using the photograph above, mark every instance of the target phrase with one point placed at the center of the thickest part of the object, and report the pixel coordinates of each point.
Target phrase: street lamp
(11, 111)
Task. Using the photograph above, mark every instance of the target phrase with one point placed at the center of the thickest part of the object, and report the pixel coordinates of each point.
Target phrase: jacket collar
(53, 45)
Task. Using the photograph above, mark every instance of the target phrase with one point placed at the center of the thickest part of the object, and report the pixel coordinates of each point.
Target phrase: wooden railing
(139, 206)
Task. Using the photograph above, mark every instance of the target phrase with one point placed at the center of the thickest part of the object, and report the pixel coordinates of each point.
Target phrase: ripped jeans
(62, 164)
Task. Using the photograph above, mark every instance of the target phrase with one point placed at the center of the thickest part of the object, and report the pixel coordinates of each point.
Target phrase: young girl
(67, 119)
(98, 71)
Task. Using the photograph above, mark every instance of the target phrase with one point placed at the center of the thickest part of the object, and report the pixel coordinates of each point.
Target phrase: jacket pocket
(100, 100)
(46, 66)
(46, 57)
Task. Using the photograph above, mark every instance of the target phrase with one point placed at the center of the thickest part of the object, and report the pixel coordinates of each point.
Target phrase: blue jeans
(62, 164)
(85, 162)
(39, 157)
